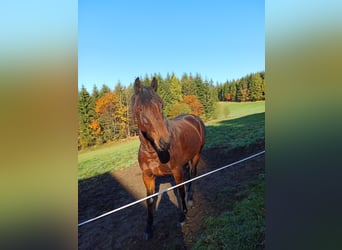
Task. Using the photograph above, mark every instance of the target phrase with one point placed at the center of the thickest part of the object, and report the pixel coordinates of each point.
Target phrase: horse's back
(188, 124)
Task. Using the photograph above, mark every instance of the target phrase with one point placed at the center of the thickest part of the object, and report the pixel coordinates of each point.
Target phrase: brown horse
(167, 147)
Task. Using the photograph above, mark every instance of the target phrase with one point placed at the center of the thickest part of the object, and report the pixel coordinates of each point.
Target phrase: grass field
(107, 158)
(242, 227)
(230, 110)
(238, 132)
(238, 124)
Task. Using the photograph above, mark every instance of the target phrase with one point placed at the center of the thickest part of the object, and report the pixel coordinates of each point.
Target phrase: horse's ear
(154, 84)
(137, 86)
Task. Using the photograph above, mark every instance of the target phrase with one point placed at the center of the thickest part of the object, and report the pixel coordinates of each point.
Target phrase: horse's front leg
(149, 181)
(179, 178)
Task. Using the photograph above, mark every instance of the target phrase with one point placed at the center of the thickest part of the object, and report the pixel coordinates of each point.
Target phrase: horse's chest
(160, 169)
(164, 169)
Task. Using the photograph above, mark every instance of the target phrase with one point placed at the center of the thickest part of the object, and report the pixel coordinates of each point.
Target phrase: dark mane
(147, 94)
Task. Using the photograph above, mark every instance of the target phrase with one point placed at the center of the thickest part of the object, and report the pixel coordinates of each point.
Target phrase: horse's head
(147, 108)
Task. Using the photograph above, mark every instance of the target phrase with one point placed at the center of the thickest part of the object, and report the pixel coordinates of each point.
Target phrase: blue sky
(121, 40)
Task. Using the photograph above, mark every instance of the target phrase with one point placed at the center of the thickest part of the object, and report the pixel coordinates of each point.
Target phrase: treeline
(105, 115)
(248, 88)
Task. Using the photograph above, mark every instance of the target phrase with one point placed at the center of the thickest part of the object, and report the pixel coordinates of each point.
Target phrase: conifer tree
(104, 90)
(146, 80)
(95, 94)
(187, 85)
(175, 90)
(165, 93)
(232, 90)
(255, 87)
(112, 119)
(199, 89)
(85, 116)
(208, 99)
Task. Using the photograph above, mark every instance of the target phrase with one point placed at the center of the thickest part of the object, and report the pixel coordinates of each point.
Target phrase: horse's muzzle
(163, 144)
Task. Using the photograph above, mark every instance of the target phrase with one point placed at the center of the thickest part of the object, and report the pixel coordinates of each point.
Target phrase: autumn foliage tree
(105, 115)
(111, 116)
(248, 88)
(196, 108)
(96, 127)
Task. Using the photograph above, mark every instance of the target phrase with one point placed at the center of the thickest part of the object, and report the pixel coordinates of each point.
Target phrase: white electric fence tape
(170, 188)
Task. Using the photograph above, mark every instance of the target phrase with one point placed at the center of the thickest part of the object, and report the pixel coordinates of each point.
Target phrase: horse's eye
(144, 119)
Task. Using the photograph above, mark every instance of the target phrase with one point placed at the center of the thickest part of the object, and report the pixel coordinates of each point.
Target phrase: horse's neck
(145, 143)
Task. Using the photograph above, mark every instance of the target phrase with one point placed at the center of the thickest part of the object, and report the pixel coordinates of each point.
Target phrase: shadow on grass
(124, 229)
(239, 132)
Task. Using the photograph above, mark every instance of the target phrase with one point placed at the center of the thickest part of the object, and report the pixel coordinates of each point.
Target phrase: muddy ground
(124, 229)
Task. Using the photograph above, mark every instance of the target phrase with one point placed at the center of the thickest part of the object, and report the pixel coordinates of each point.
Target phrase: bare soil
(124, 229)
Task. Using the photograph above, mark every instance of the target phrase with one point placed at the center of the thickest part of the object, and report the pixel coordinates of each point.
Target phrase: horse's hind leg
(149, 181)
(179, 178)
(187, 170)
(193, 171)
(188, 174)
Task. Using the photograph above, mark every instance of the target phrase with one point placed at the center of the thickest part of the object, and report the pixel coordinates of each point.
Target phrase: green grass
(230, 133)
(237, 132)
(243, 227)
(107, 158)
(230, 110)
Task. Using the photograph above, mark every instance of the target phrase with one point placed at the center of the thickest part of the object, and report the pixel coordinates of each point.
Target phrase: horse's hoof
(148, 233)
(190, 203)
(182, 219)
(180, 224)
(147, 236)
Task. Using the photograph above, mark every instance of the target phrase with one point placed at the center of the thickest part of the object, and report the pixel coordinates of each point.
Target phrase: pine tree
(175, 90)
(132, 128)
(232, 90)
(220, 93)
(199, 89)
(248, 88)
(187, 85)
(95, 94)
(209, 99)
(242, 90)
(104, 90)
(85, 117)
(252, 93)
(165, 93)
(146, 80)
(255, 87)
(118, 90)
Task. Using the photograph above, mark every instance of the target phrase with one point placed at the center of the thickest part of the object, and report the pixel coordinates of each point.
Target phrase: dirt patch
(124, 229)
